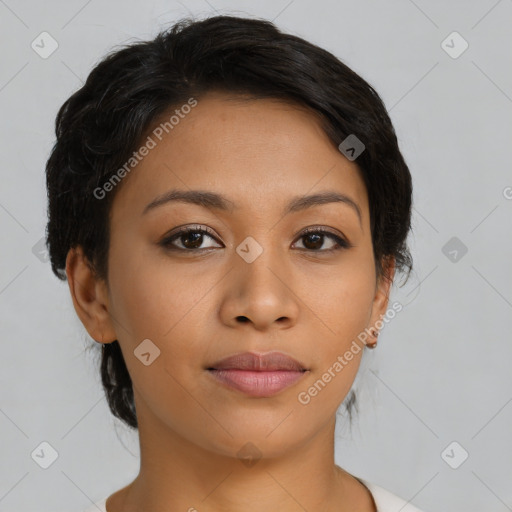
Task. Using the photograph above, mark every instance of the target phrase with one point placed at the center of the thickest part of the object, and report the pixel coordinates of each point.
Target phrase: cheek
(343, 303)
(165, 302)
(154, 300)
(343, 310)
(343, 313)
(151, 295)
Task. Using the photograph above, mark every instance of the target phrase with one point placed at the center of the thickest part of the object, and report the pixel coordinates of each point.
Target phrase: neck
(178, 474)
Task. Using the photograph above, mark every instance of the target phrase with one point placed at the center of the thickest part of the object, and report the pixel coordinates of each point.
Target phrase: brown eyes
(192, 238)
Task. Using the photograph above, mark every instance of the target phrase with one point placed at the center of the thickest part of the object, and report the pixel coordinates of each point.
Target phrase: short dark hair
(100, 125)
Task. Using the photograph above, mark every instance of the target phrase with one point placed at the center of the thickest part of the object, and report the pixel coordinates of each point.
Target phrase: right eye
(190, 237)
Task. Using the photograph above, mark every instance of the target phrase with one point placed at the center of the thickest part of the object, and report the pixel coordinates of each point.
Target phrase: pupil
(316, 238)
(196, 236)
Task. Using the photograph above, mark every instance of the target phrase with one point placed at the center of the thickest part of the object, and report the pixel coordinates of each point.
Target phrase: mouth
(258, 375)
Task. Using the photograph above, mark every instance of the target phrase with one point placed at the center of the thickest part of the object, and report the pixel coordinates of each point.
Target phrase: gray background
(441, 372)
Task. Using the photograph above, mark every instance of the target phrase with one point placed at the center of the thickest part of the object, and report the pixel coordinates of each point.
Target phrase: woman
(229, 206)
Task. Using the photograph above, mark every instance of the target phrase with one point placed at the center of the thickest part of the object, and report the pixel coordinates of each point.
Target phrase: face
(247, 277)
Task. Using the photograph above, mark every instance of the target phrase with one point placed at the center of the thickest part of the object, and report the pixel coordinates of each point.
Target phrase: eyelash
(341, 243)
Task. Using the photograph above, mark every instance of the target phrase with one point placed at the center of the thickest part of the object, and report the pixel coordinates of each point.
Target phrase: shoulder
(99, 506)
(386, 501)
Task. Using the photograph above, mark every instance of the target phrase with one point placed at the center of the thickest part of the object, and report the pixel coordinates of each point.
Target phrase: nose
(260, 294)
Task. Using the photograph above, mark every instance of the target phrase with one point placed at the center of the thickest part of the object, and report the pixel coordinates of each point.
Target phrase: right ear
(90, 297)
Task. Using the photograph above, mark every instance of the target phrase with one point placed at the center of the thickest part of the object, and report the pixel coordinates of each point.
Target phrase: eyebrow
(219, 202)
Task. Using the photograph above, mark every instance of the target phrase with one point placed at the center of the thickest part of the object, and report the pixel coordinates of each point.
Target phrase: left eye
(315, 240)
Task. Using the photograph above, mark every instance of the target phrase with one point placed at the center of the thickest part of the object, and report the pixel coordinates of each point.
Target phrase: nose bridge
(258, 264)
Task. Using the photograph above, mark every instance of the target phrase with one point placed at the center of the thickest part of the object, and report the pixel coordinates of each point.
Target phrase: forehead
(258, 152)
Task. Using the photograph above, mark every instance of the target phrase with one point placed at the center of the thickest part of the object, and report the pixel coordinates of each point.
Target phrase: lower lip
(258, 384)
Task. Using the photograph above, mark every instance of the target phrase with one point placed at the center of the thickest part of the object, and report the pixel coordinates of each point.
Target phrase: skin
(296, 297)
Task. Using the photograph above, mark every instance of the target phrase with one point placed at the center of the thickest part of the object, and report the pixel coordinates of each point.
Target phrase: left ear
(382, 290)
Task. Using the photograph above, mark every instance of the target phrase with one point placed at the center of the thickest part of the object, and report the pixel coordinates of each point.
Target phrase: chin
(257, 440)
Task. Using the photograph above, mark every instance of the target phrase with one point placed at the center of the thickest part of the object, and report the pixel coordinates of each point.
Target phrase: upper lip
(269, 361)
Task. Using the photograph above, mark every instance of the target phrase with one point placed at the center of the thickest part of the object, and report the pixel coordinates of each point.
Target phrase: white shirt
(384, 500)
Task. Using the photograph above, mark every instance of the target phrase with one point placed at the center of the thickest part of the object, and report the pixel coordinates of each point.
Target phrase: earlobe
(90, 297)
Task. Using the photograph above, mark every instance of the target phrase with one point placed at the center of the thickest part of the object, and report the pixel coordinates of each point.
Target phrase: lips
(258, 375)
(258, 362)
